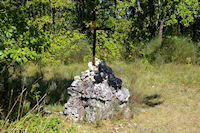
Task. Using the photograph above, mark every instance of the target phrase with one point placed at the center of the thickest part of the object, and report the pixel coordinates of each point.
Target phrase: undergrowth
(172, 49)
(36, 123)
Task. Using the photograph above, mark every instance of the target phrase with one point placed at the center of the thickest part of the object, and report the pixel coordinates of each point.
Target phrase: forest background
(55, 32)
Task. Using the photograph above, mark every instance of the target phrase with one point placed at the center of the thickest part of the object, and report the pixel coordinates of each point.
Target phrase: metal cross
(94, 35)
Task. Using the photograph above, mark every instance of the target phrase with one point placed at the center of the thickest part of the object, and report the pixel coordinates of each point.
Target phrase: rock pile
(95, 94)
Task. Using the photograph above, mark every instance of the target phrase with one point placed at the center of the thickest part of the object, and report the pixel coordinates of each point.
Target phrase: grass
(164, 98)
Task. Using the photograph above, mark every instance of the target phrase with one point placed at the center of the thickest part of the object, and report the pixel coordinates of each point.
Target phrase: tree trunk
(138, 4)
(115, 16)
(53, 17)
(161, 28)
(158, 14)
(151, 9)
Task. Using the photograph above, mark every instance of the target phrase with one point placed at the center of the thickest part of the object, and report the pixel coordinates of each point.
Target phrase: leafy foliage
(181, 50)
(67, 47)
(37, 123)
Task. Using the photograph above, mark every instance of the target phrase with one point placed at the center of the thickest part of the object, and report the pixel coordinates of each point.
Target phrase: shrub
(67, 47)
(36, 123)
(175, 49)
(198, 53)
(178, 49)
(109, 47)
(153, 46)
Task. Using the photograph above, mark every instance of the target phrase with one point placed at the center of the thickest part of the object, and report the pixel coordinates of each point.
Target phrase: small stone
(142, 110)
(92, 73)
(98, 78)
(87, 72)
(77, 78)
(76, 83)
(83, 75)
(97, 62)
(123, 95)
(102, 75)
(114, 82)
(72, 92)
(90, 66)
(61, 113)
(47, 112)
(135, 124)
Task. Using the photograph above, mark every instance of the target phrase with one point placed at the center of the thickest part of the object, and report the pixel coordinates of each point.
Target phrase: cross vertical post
(94, 38)
(95, 28)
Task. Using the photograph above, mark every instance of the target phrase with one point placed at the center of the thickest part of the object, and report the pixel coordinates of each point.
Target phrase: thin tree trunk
(158, 14)
(161, 28)
(138, 4)
(151, 9)
(54, 12)
(115, 9)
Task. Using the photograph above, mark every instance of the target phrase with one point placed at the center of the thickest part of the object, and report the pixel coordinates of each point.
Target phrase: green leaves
(186, 12)
(109, 46)
(66, 47)
(37, 123)
(55, 29)
(18, 55)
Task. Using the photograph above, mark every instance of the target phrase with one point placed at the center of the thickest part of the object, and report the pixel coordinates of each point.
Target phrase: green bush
(198, 53)
(153, 46)
(109, 48)
(67, 47)
(174, 49)
(37, 123)
(178, 49)
(134, 50)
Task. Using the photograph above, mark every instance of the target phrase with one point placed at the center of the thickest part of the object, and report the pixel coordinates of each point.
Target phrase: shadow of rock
(152, 100)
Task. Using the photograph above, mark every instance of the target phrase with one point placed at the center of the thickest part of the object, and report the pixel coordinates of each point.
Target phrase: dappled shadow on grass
(36, 88)
(152, 100)
(55, 88)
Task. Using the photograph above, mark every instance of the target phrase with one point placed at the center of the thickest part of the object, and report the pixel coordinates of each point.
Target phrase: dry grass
(164, 98)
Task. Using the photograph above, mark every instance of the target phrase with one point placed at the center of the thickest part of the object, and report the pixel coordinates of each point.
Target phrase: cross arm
(99, 28)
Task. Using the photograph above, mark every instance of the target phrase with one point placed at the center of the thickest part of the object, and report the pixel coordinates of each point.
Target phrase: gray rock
(74, 92)
(98, 78)
(114, 82)
(90, 93)
(83, 75)
(123, 94)
(103, 92)
(90, 114)
(76, 83)
(74, 108)
(92, 73)
(95, 94)
(77, 78)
